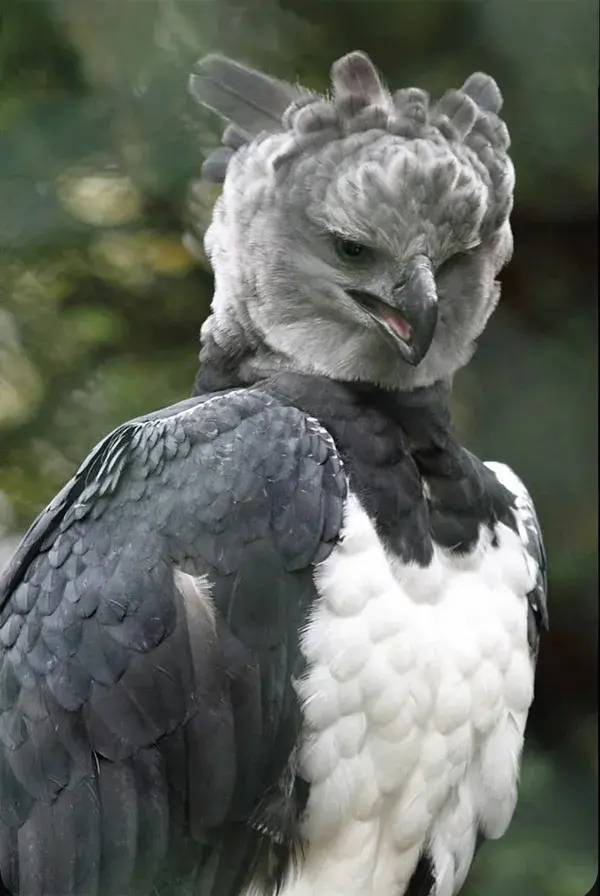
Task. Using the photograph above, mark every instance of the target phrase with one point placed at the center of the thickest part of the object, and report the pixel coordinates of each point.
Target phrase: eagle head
(358, 235)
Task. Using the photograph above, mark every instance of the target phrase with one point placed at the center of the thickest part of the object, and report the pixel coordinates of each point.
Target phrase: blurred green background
(100, 305)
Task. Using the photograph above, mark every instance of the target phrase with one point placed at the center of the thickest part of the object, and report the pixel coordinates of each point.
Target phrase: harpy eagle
(281, 637)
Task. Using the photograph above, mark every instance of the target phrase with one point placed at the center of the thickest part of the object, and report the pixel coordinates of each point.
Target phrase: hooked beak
(409, 317)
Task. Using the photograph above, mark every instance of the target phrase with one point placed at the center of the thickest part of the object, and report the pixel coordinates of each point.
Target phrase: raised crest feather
(483, 89)
(356, 83)
(248, 98)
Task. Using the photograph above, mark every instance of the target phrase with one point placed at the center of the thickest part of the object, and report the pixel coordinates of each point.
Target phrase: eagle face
(362, 239)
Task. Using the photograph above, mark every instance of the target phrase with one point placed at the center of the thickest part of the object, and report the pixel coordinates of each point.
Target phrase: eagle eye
(349, 250)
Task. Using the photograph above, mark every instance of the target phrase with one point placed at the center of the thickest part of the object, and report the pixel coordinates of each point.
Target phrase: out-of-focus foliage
(100, 304)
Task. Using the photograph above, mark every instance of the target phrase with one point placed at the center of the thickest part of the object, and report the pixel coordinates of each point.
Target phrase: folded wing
(149, 628)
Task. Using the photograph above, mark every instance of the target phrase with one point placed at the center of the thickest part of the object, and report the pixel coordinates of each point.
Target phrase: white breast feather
(415, 700)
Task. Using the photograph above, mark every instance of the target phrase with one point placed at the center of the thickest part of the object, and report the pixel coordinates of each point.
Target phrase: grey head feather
(252, 100)
(401, 175)
(357, 85)
(234, 137)
(484, 91)
(214, 167)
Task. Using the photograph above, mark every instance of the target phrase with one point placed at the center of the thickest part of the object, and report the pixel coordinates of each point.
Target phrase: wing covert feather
(149, 629)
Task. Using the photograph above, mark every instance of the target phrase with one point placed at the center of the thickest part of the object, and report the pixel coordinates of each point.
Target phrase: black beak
(409, 317)
(417, 301)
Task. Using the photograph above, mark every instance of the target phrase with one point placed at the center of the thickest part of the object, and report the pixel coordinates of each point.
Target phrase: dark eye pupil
(350, 249)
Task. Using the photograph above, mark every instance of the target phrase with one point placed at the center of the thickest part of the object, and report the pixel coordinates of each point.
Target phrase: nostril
(400, 284)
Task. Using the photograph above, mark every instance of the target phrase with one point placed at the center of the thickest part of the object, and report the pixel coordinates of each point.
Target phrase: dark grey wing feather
(534, 545)
(149, 636)
(530, 532)
(100, 469)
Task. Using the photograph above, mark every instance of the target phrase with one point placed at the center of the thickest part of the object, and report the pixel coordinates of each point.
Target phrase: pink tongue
(396, 323)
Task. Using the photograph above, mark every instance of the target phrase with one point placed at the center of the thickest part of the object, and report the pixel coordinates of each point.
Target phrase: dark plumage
(111, 686)
(121, 710)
